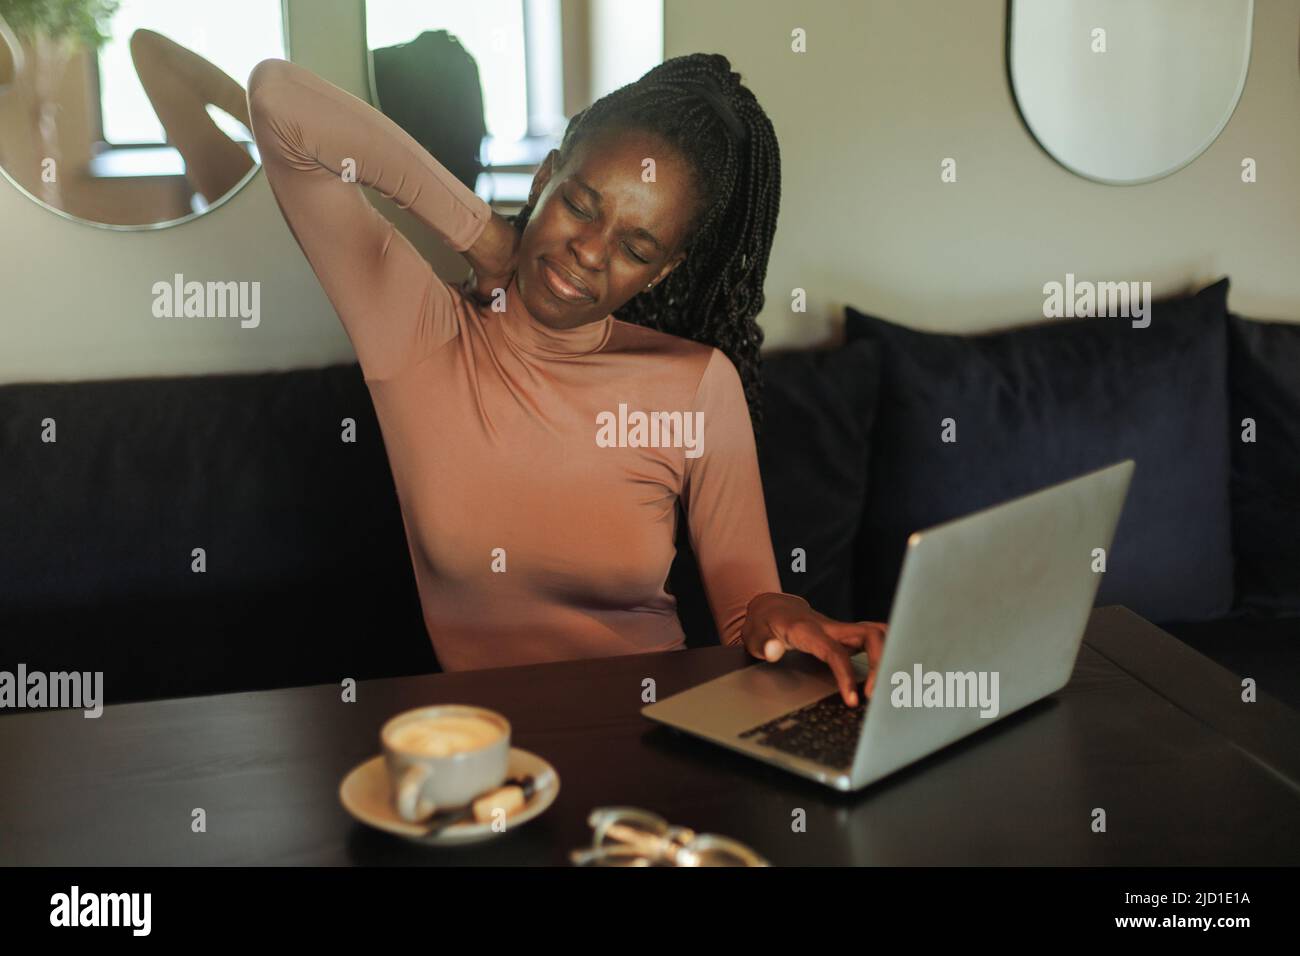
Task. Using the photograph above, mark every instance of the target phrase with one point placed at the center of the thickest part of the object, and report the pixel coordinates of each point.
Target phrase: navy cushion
(1044, 403)
(1265, 377)
(813, 452)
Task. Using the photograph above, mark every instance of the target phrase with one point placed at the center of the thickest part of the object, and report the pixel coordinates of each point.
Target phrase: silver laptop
(987, 618)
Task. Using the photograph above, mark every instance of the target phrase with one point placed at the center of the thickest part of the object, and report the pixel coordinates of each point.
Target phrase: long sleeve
(319, 145)
(725, 511)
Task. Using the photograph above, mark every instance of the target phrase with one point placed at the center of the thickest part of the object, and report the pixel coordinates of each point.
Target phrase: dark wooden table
(1147, 729)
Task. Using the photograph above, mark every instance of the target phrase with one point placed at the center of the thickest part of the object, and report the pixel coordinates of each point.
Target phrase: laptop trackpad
(738, 701)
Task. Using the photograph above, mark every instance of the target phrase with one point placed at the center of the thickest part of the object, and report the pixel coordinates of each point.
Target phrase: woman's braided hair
(698, 105)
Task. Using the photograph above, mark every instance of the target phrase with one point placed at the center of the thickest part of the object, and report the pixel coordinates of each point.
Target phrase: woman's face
(597, 224)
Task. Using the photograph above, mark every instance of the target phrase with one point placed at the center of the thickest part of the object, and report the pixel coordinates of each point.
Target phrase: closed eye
(581, 215)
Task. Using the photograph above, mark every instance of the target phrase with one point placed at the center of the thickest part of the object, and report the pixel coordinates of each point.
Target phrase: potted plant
(49, 33)
(11, 56)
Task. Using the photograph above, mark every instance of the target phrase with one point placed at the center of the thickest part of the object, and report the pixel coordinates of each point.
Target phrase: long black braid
(714, 295)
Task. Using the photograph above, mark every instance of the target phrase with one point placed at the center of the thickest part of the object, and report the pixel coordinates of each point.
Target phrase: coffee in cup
(442, 757)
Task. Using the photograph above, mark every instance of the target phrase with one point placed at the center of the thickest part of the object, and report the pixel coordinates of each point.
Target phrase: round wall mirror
(1123, 92)
(131, 114)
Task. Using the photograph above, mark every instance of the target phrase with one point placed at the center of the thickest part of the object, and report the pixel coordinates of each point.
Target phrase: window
(492, 31)
(519, 46)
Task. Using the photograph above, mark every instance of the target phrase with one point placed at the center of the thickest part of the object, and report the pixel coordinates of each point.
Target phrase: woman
(532, 538)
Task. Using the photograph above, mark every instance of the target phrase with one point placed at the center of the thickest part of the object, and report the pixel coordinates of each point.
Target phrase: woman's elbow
(144, 42)
(266, 108)
(265, 76)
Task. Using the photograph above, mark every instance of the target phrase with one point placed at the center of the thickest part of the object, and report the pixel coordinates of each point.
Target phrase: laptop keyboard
(825, 731)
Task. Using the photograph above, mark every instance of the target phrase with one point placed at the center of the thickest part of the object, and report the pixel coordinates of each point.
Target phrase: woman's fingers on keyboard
(835, 655)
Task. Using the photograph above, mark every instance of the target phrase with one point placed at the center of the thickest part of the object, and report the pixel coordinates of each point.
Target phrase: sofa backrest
(108, 488)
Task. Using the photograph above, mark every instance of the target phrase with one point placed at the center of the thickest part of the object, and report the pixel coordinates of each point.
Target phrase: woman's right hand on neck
(493, 259)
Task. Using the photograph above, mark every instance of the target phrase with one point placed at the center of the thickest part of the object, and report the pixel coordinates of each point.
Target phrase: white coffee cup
(442, 757)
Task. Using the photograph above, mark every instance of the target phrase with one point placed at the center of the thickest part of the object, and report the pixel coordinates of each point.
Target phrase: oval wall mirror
(132, 114)
(1125, 92)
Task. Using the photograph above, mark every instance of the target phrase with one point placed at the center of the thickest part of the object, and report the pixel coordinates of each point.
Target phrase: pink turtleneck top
(540, 519)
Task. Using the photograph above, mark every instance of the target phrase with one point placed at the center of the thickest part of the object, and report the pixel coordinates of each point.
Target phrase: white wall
(890, 87)
(886, 90)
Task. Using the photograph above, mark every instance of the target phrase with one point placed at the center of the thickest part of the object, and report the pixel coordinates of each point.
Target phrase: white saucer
(367, 795)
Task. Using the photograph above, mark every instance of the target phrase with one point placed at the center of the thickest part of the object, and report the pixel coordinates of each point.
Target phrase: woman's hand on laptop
(775, 622)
